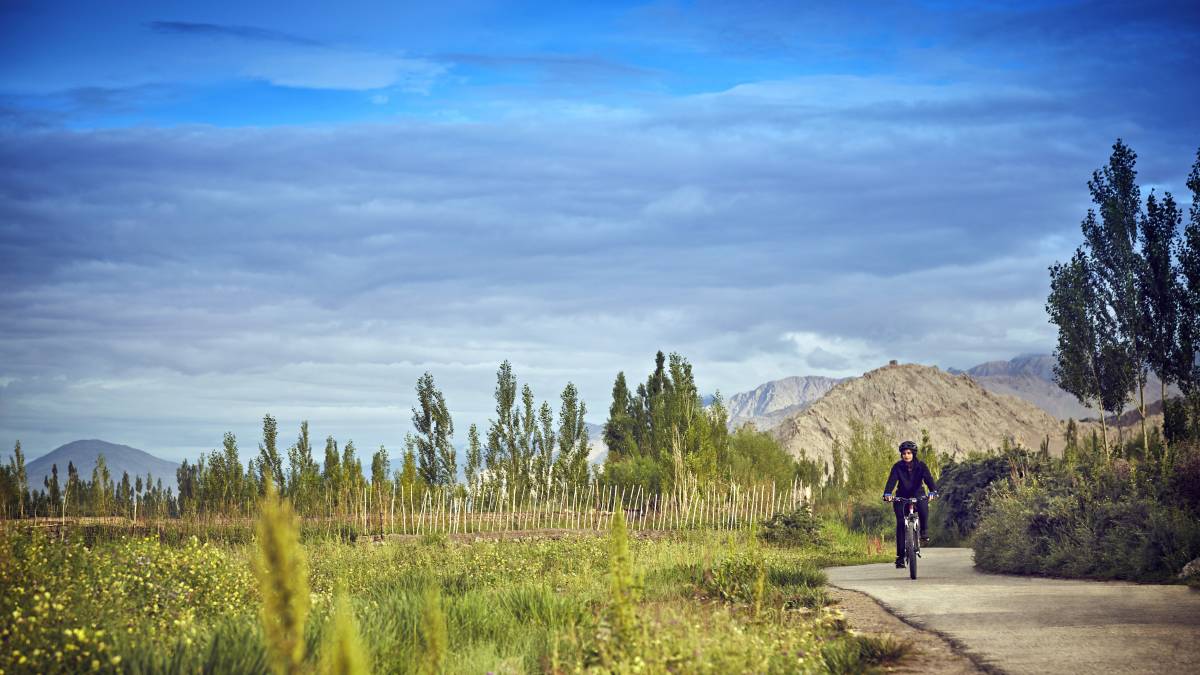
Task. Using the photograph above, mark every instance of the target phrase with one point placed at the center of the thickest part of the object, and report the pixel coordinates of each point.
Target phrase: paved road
(1037, 625)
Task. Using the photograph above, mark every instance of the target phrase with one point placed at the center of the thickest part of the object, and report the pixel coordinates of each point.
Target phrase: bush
(1029, 529)
(871, 516)
(735, 578)
(964, 484)
(1184, 481)
(798, 528)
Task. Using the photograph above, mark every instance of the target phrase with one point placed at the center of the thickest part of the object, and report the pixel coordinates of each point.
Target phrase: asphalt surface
(1019, 624)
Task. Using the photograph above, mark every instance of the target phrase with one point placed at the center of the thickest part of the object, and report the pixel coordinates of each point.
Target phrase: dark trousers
(901, 508)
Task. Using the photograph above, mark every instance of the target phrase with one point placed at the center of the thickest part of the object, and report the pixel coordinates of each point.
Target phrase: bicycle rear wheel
(910, 550)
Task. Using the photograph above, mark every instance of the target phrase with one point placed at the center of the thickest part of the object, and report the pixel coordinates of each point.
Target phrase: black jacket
(909, 478)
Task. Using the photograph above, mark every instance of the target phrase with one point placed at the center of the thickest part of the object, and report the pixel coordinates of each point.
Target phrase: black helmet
(908, 445)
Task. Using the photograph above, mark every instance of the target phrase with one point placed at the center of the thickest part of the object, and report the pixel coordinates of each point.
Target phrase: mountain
(769, 404)
(597, 450)
(119, 458)
(1031, 377)
(960, 414)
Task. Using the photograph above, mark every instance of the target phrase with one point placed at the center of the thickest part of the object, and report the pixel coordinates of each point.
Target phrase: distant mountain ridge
(769, 404)
(959, 413)
(1031, 377)
(118, 458)
(1033, 365)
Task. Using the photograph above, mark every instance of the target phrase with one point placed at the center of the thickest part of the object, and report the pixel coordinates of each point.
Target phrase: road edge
(955, 645)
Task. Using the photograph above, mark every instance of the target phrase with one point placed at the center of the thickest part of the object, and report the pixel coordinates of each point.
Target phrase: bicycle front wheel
(910, 550)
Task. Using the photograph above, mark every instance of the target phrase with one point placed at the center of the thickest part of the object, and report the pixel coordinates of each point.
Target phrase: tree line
(1127, 303)
(526, 450)
(660, 436)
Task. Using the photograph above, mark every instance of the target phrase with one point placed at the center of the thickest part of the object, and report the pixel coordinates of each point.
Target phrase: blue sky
(210, 211)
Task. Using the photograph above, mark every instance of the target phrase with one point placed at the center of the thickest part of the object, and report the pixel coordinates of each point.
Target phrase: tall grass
(505, 606)
(622, 588)
(282, 575)
(343, 652)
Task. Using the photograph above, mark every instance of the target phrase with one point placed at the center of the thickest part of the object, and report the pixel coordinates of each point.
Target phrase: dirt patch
(930, 654)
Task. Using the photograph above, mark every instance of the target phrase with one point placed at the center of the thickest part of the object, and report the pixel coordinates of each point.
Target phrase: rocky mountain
(769, 404)
(960, 414)
(118, 458)
(1031, 377)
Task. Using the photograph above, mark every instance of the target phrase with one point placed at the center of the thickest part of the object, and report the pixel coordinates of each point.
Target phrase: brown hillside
(960, 415)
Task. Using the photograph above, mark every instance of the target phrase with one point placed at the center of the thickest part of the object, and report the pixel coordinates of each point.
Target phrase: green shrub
(871, 516)
(860, 653)
(961, 486)
(798, 528)
(1029, 529)
(733, 579)
(1184, 480)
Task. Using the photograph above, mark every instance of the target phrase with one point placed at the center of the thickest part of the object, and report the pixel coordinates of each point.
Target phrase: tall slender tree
(619, 428)
(332, 470)
(436, 456)
(54, 488)
(571, 466)
(303, 475)
(1159, 286)
(545, 442)
(1186, 368)
(270, 464)
(474, 457)
(1112, 241)
(20, 480)
(501, 454)
(1085, 357)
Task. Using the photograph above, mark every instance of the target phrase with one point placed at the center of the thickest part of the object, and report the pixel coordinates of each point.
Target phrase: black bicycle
(912, 532)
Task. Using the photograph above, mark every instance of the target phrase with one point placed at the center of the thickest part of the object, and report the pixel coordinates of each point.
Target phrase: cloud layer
(165, 283)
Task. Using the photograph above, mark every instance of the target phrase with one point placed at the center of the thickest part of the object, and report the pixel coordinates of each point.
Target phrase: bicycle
(912, 532)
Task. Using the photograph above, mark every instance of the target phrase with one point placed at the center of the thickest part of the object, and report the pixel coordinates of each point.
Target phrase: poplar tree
(303, 476)
(1186, 369)
(332, 472)
(1087, 362)
(53, 488)
(619, 428)
(436, 457)
(380, 470)
(501, 454)
(20, 479)
(526, 435)
(474, 456)
(233, 465)
(545, 441)
(270, 465)
(1159, 286)
(1112, 243)
(572, 465)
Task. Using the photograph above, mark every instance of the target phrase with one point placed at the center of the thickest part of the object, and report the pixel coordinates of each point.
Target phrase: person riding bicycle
(907, 476)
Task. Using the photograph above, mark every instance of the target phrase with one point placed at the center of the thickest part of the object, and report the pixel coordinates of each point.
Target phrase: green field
(698, 601)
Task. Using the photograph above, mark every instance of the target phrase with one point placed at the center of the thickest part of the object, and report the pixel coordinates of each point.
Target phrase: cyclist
(907, 476)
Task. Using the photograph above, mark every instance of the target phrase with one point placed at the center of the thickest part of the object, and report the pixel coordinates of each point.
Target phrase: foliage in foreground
(704, 602)
(1124, 518)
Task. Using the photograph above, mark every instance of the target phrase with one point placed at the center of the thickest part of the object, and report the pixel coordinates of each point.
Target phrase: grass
(701, 602)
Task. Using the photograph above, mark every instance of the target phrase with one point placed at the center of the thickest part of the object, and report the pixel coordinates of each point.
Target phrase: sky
(214, 211)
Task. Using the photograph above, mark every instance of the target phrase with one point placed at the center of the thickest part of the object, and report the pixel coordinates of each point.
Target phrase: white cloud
(329, 68)
(175, 283)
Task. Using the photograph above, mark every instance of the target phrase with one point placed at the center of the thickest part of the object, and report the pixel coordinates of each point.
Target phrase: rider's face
(906, 455)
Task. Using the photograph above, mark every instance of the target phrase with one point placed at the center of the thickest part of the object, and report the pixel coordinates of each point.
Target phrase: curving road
(1038, 625)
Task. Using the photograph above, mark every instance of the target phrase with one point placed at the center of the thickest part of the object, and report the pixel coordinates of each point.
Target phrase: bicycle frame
(912, 532)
